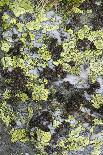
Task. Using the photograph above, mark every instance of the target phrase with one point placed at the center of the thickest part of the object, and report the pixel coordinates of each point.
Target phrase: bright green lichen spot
(20, 26)
(18, 135)
(6, 114)
(7, 62)
(22, 96)
(97, 100)
(84, 32)
(37, 24)
(74, 142)
(50, 28)
(77, 10)
(40, 93)
(6, 94)
(97, 143)
(96, 69)
(98, 44)
(43, 138)
(32, 36)
(3, 2)
(98, 121)
(96, 35)
(32, 25)
(56, 123)
(20, 7)
(30, 112)
(44, 53)
(5, 17)
(13, 21)
(70, 31)
(5, 46)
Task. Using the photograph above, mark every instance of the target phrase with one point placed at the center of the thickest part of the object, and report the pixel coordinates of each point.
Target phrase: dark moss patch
(53, 74)
(14, 36)
(25, 18)
(54, 48)
(71, 63)
(97, 21)
(74, 102)
(49, 149)
(88, 118)
(13, 123)
(41, 120)
(49, 74)
(60, 97)
(14, 51)
(63, 129)
(92, 87)
(60, 71)
(86, 5)
(34, 50)
(13, 101)
(67, 85)
(85, 44)
(17, 78)
(100, 111)
(73, 22)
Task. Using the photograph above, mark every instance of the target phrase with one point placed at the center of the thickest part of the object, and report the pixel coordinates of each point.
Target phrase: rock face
(51, 77)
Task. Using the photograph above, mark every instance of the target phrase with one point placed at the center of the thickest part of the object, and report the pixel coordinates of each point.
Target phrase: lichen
(97, 100)
(18, 135)
(37, 54)
(43, 138)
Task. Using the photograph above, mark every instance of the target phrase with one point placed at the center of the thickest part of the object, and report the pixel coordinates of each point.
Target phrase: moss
(5, 17)
(98, 121)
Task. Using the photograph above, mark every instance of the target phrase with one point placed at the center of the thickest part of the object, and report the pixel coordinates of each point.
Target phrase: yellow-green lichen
(97, 100)
(40, 93)
(23, 7)
(6, 113)
(5, 46)
(22, 96)
(43, 138)
(75, 141)
(18, 135)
